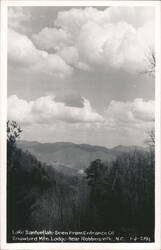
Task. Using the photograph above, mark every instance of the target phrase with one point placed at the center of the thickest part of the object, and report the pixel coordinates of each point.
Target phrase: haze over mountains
(71, 158)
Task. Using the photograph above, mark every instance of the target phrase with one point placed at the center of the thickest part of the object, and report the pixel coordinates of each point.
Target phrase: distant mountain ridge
(71, 157)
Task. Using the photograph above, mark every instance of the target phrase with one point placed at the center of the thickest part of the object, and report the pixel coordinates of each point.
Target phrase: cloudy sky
(74, 73)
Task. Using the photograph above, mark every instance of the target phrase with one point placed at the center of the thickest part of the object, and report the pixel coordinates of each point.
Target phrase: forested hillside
(116, 195)
(73, 158)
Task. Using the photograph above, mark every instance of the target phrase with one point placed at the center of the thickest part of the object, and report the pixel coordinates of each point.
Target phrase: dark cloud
(70, 100)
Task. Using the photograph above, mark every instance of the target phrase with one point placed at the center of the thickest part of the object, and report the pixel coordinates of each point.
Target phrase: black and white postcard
(80, 125)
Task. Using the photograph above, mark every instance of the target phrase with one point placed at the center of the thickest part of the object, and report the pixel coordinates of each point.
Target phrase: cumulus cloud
(46, 110)
(138, 114)
(126, 122)
(23, 53)
(89, 38)
(17, 17)
(131, 117)
(134, 115)
(70, 99)
(21, 50)
(143, 110)
(54, 38)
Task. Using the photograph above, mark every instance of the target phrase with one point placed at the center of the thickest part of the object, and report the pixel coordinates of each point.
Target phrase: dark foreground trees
(116, 195)
(39, 197)
(122, 193)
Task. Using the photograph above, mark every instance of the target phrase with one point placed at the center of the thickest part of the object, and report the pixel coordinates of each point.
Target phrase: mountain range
(71, 158)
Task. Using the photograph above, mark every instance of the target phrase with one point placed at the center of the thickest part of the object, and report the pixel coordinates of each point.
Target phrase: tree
(150, 141)
(94, 172)
(150, 60)
(96, 175)
(13, 132)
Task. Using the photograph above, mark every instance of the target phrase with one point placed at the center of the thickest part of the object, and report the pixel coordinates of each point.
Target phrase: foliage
(150, 61)
(122, 194)
(150, 141)
(116, 195)
(13, 132)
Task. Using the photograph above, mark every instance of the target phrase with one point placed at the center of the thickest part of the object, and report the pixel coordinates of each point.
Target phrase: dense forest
(116, 195)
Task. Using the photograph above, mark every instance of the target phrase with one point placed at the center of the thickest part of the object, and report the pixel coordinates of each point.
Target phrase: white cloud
(54, 38)
(143, 110)
(21, 50)
(71, 56)
(22, 53)
(90, 38)
(75, 18)
(124, 118)
(17, 17)
(123, 122)
(18, 109)
(46, 110)
(138, 114)
(135, 16)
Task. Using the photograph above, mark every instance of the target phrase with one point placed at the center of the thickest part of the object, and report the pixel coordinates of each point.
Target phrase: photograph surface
(80, 124)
